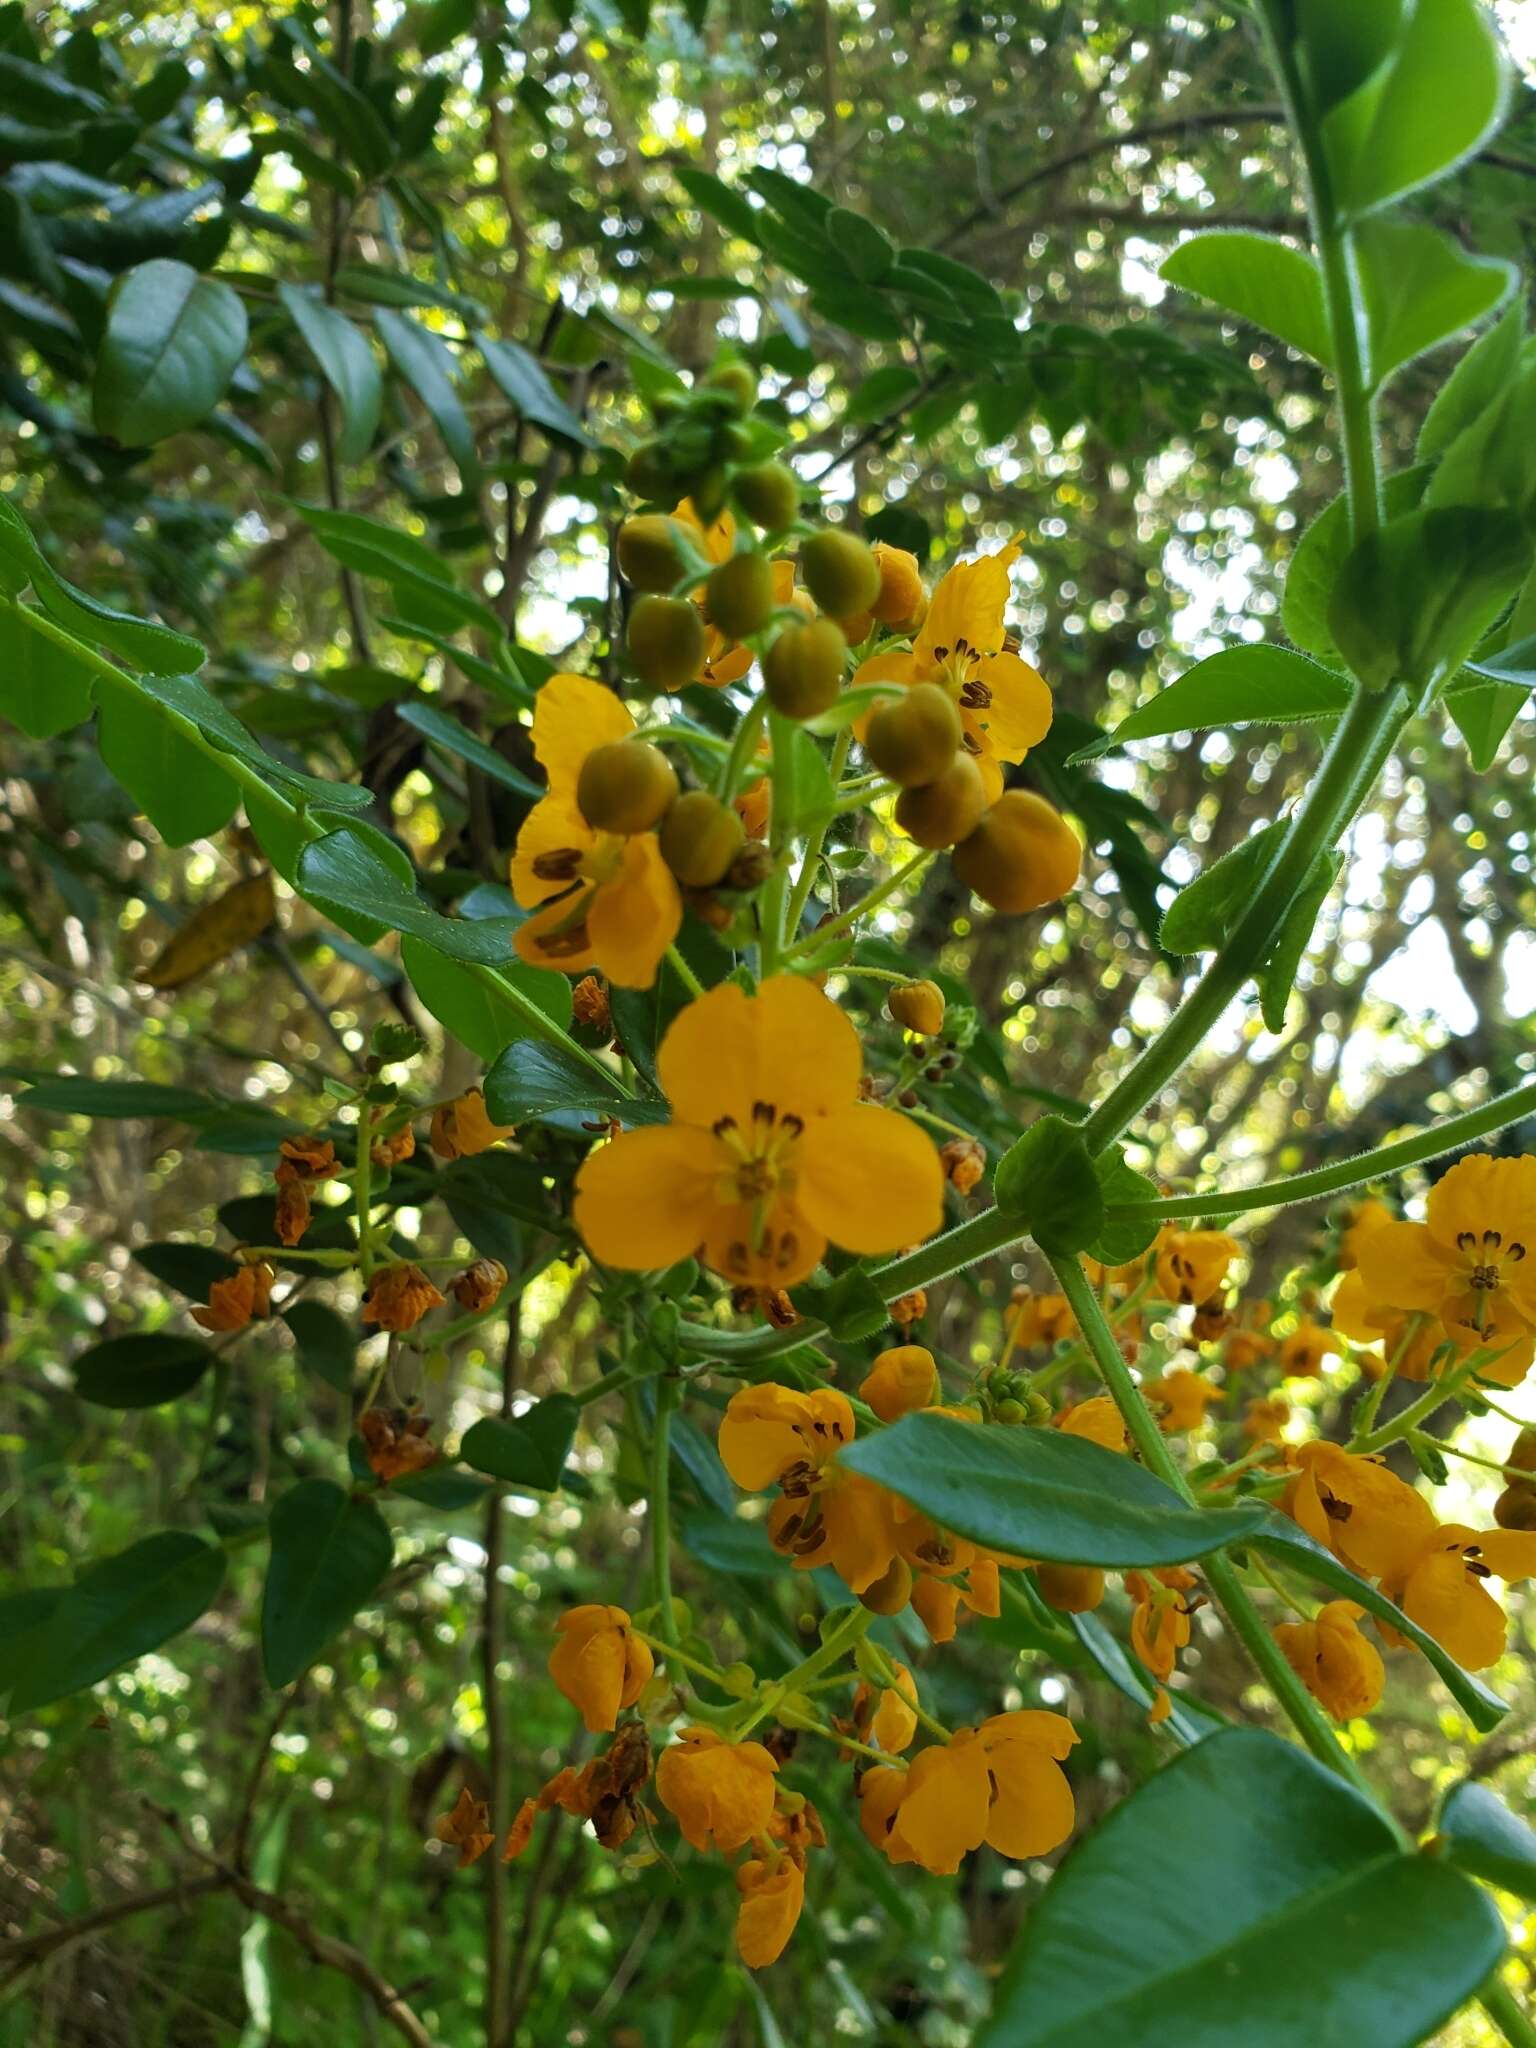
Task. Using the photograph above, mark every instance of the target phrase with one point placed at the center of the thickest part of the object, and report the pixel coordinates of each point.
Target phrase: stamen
(560, 864)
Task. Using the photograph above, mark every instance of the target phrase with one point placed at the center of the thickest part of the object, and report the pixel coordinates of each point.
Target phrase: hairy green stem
(800, 894)
(660, 1507)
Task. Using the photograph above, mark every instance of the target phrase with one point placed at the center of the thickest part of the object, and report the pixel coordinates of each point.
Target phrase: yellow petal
(870, 1179)
(636, 916)
(1510, 1554)
(945, 1810)
(1019, 716)
(646, 1200)
(1442, 1596)
(968, 605)
(571, 716)
(1033, 1811)
(788, 1046)
(1402, 1264)
(777, 1249)
(553, 827)
(771, 1900)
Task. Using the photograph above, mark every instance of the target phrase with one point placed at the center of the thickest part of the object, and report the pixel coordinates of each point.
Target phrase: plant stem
(660, 1509)
(836, 926)
(684, 972)
(362, 1187)
(809, 860)
(1503, 2008)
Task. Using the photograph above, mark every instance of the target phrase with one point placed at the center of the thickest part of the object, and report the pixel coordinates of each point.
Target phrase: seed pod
(901, 600)
(666, 641)
(649, 556)
(914, 739)
(625, 786)
(803, 669)
(840, 572)
(738, 382)
(947, 810)
(699, 838)
(649, 472)
(1023, 854)
(769, 495)
(919, 1005)
(891, 1591)
(739, 595)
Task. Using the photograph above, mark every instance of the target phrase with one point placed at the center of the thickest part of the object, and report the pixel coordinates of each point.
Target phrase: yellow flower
(1098, 1419)
(1041, 1319)
(770, 1154)
(1191, 1264)
(1265, 1420)
(599, 899)
(599, 1663)
(1357, 1509)
(726, 660)
(1409, 1338)
(1160, 1616)
(1183, 1397)
(1472, 1261)
(772, 1895)
(720, 1793)
(462, 1127)
(1004, 705)
(1333, 1660)
(1303, 1352)
(883, 1715)
(1442, 1589)
(900, 1380)
(1365, 1217)
(1001, 1783)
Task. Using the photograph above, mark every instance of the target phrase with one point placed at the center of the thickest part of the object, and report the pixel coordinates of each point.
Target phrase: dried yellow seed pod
(739, 595)
(1022, 855)
(649, 555)
(666, 642)
(919, 1005)
(915, 738)
(840, 572)
(699, 839)
(625, 786)
(803, 669)
(946, 810)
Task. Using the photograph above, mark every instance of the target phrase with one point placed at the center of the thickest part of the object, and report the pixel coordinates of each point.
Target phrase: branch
(21, 1956)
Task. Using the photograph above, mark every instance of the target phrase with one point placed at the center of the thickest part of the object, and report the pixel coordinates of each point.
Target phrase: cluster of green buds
(1008, 1396)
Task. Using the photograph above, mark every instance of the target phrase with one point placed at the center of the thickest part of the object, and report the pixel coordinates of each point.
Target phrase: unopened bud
(946, 810)
(650, 556)
(739, 595)
(891, 1591)
(1021, 856)
(625, 786)
(901, 599)
(769, 495)
(914, 739)
(840, 572)
(699, 839)
(803, 669)
(666, 641)
(919, 1005)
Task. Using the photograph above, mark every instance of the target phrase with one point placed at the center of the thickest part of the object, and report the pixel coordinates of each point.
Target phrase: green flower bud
(914, 739)
(649, 555)
(840, 572)
(666, 641)
(739, 595)
(803, 669)
(769, 495)
(699, 839)
(946, 810)
(625, 786)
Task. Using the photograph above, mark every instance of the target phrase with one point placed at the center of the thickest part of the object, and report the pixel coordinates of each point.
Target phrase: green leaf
(455, 739)
(1437, 97)
(1046, 1179)
(1420, 288)
(346, 870)
(1477, 1831)
(173, 340)
(155, 650)
(1268, 283)
(1413, 599)
(329, 1553)
(1282, 1540)
(1476, 382)
(43, 687)
(180, 791)
(1188, 1718)
(74, 1095)
(868, 250)
(881, 392)
(190, 1268)
(326, 1344)
(522, 378)
(1039, 1493)
(1320, 553)
(721, 202)
(1204, 911)
(532, 1080)
(1278, 976)
(1483, 715)
(406, 564)
(851, 1306)
(347, 364)
(1244, 1894)
(186, 696)
(427, 364)
(1120, 1241)
(115, 1611)
(477, 1014)
(140, 1371)
(530, 1449)
(727, 1544)
(1253, 685)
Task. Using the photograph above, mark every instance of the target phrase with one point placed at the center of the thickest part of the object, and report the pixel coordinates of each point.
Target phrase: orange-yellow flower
(884, 1715)
(237, 1300)
(1442, 1587)
(1001, 1783)
(1098, 1419)
(599, 1663)
(726, 660)
(399, 1297)
(1004, 705)
(772, 1894)
(396, 1444)
(1191, 1264)
(1265, 1420)
(720, 1793)
(770, 1154)
(1182, 1397)
(1041, 1319)
(1070, 1588)
(1303, 1352)
(1160, 1616)
(1409, 1338)
(1357, 1509)
(463, 1127)
(900, 1380)
(599, 899)
(1333, 1660)
(969, 1579)
(1365, 1217)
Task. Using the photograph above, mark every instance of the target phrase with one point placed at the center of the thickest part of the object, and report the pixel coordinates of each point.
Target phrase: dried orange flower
(306, 1159)
(909, 1309)
(396, 1443)
(399, 1297)
(589, 1004)
(478, 1285)
(605, 1791)
(235, 1301)
(291, 1217)
(461, 1128)
(965, 1163)
(467, 1828)
(389, 1151)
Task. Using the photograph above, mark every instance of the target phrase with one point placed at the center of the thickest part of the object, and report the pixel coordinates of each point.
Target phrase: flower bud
(803, 669)
(915, 738)
(1022, 855)
(900, 1380)
(738, 382)
(649, 555)
(666, 641)
(964, 1161)
(739, 595)
(840, 572)
(909, 1309)
(699, 839)
(625, 786)
(901, 600)
(891, 1591)
(739, 1680)
(769, 495)
(946, 810)
(751, 867)
(1070, 1588)
(919, 1005)
(648, 472)
(707, 488)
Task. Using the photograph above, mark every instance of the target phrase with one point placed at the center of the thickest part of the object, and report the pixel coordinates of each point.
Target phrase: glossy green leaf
(173, 340)
(146, 647)
(457, 740)
(1480, 1834)
(1204, 911)
(529, 1449)
(867, 249)
(1420, 288)
(1254, 685)
(1188, 1717)
(427, 364)
(44, 688)
(727, 1544)
(1413, 599)
(115, 1611)
(523, 379)
(1320, 554)
(478, 1013)
(189, 699)
(347, 870)
(190, 1268)
(532, 1079)
(347, 364)
(140, 1371)
(180, 791)
(326, 1343)
(1268, 283)
(76, 1095)
(1039, 1493)
(1246, 1894)
(407, 564)
(1475, 383)
(329, 1553)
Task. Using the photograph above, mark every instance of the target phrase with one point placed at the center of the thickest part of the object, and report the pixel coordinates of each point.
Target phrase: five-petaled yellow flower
(1004, 704)
(599, 899)
(769, 1156)
(1001, 1783)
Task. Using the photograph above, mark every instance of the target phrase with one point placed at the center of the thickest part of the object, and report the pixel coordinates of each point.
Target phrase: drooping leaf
(329, 1553)
(1278, 975)
(190, 1268)
(44, 688)
(480, 1014)
(1204, 911)
(1474, 384)
(523, 379)
(346, 869)
(1320, 553)
(146, 647)
(1253, 685)
(1484, 715)
(325, 1341)
(1480, 1834)
(171, 346)
(182, 793)
(529, 1449)
(213, 932)
(427, 364)
(457, 740)
(77, 1095)
(1123, 1239)
(347, 364)
(411, 569)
